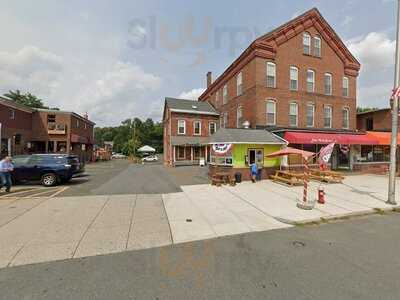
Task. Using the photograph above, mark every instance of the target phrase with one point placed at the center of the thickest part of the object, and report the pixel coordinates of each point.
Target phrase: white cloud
(375, 51)
(193, 94)
(30, 69)
(119, 93)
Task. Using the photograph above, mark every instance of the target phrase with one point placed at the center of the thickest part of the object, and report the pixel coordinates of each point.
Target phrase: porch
(188, 155)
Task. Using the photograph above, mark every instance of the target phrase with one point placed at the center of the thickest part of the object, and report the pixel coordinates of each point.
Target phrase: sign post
(395, 116)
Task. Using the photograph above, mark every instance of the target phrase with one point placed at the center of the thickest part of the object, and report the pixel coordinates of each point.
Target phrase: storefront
(234, 150)
(352, 150)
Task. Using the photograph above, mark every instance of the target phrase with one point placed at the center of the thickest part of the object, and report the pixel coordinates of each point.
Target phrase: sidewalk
(49, 228)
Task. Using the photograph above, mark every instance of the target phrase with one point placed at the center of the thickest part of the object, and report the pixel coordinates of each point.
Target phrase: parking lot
(117, 177)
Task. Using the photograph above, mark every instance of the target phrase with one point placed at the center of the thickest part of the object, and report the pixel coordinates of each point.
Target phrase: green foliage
(365, 109)
(131, 135)
(26, 99)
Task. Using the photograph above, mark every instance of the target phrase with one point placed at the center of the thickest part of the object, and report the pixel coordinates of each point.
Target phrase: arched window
(306, 43)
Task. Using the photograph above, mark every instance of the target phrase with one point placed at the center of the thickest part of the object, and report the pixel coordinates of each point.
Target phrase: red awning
(382, 137)
(294, 137)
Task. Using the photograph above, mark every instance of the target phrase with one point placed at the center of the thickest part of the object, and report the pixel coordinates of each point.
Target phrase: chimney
(86, 116)
(209, 78)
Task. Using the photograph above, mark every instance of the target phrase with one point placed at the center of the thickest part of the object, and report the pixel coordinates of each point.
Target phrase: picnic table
(326, 176)
(288, 177)
(222, 177)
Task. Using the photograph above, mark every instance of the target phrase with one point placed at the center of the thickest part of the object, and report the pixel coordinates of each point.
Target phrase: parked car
(49, 169)
(150, 158)
(118, 156)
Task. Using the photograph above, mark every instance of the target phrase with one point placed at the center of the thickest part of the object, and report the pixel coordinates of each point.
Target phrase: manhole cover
(188, 220)
(298, 244)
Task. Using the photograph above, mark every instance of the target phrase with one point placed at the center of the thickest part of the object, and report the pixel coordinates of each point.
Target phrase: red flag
(325, 154)
(395, 93)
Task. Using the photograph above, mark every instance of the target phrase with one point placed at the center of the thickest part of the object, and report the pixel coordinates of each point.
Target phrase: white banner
(221, 148)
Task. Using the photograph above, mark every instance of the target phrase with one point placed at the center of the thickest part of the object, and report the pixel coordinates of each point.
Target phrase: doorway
(341, 159)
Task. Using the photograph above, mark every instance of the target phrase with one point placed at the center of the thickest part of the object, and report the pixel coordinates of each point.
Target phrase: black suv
(49, 169)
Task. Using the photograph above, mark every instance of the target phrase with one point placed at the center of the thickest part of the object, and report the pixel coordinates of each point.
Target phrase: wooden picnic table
(326, 176)
(288, 177)
(222, 177)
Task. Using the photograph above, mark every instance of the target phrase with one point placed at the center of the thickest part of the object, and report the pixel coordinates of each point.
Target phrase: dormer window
(306, 43)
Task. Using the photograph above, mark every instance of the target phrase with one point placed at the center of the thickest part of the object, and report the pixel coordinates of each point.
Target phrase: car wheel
(49, 179)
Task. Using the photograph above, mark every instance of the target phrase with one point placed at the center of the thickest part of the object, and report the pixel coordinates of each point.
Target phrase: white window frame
(294, 104)
(209, 127)
(347, 126)
(345, 87)
(313, 114)
(309, 71)
(306, 43)
(239, 109)
(331, 113)
(184, 127)
(225, 94)
(267, 113)
(328, 84)
(273, 74)
(12, 114)
(317, 46)
(295, 78)
(194, 127)
(239, 84)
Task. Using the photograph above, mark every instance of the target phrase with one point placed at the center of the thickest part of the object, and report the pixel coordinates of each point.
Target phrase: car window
(20, 160)
(47, 159)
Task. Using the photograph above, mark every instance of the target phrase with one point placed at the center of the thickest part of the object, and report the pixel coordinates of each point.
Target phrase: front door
(342, 153)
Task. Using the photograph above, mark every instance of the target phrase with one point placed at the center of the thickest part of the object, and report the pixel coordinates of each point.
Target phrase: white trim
(348, 117)
(290, 78)
(194, 127)
(331, 114)
(328, 75)
(308, 35)
(313, 80)
(266, 111)
(348, 86)
(270, 63)
(320, 46)
(209, 127)
(313, 106)
(194, 112)
(184, 127)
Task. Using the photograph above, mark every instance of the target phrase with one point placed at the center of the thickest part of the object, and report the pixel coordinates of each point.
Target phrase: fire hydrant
(321, 195)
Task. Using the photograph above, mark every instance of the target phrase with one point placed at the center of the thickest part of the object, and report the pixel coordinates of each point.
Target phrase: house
(27, 130)
(187, 127)
(16, 127)
(298, 81)
(234, 149)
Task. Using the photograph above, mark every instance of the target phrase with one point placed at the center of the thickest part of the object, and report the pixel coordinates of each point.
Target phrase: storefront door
(341, 159)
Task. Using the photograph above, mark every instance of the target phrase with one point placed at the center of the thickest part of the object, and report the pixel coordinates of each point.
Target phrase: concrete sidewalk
(47, 228)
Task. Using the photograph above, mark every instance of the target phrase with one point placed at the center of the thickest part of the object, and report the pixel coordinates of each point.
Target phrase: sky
(119, 59)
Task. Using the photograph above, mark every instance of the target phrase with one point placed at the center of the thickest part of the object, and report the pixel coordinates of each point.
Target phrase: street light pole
(395, 117)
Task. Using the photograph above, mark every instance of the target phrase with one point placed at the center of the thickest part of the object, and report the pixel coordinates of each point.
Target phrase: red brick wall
(289, 54)
(382, 120)
(22, 120)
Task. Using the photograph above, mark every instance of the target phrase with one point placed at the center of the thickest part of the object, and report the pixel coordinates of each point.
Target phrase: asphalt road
(123, 177)
(353, 259)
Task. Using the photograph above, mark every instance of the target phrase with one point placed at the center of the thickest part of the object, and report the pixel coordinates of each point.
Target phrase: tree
(26, 99)
(365, 109)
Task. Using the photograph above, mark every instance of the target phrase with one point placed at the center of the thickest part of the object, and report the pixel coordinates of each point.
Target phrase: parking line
(35, 194)
(59, 191)
(11, 195)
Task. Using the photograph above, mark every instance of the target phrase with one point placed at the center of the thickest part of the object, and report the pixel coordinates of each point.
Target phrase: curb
(370, 211)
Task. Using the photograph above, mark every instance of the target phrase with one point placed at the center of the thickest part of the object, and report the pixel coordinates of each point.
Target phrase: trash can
(238, 177)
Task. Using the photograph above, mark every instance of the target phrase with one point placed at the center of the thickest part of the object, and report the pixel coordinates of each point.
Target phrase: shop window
(374, 153)
(221, 160)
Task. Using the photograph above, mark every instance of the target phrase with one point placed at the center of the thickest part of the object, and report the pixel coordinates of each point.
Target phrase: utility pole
(395, 117)
(134, 138)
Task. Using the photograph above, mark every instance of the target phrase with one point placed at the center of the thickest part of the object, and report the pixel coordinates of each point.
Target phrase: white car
(118, 156)
(150, 158)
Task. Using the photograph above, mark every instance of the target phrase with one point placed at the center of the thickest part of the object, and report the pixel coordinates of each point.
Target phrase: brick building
(298, 81)
(375, 120)
(25, 130)
(187, 127)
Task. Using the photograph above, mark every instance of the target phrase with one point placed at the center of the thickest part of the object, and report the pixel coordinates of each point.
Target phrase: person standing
(253, 172)
(6, 167)
(260, 164)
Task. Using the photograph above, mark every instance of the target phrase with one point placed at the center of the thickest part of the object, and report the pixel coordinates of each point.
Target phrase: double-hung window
(327, 116)
(181, 127)
(271, 75)
(225, 94)
(328, 84)
(12, 114)
(293, 114)
(310, 81)
(306, 43)
(212, 127)
(271, 112)
(239, 117)
(294, 78)
(197, 128)
(310, 115)
(346, 121)
(317, 46)
(239, 84)
(345, 87)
